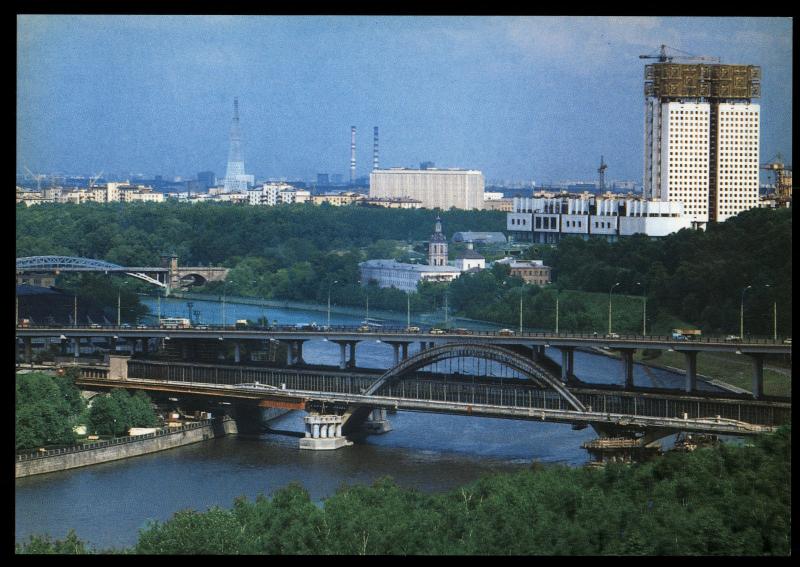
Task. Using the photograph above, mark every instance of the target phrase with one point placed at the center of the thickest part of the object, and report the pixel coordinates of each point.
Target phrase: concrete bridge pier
(76, 347)
(237, 354)
(758, 375)
(184, 350)
(691, 371)
(537, 353)
(351, 361)
(323, 432)
(342, 354)
(400, 351)
(28, 349)
(377, 423)
(627, 365)
(294, 353)
(567, 363)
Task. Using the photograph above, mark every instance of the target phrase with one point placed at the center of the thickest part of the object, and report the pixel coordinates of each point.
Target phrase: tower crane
(38, 178)
(783, 176)
(664, 58)
(602, 171)
(92, 180)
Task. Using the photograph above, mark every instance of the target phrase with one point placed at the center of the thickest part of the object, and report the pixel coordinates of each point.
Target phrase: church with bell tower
(437, 246)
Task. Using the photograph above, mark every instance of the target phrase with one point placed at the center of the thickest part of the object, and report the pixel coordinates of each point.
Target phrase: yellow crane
(783, 176)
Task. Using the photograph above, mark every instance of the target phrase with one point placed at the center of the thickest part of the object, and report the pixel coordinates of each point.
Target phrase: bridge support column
(76, 347)
(342, 355)
(567, 363)
(377, 423)
(112, 344)
(28, 349)
(184, 350)
(64, 348)
(404, 346)
(758, 375)
(422, 345)
(145, 345)
(351, 362)
(323, 432)
(627, 365)
(691, 371)
(290, 353)
(299, 352)
(237, 354)
(396, 353)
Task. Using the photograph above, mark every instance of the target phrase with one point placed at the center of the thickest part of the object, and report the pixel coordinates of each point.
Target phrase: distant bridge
(168, 276)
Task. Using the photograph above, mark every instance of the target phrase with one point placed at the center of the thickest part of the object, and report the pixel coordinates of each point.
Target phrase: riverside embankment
(121, 448)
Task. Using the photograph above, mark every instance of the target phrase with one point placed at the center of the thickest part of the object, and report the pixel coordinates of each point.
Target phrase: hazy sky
(516, 97)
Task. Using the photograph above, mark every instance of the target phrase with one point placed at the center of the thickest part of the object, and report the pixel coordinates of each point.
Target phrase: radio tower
(234, 176)
(375, 149)
(352, 155)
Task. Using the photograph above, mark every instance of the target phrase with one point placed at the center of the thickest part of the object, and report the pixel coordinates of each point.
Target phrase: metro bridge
(448, 379)
(188, 341)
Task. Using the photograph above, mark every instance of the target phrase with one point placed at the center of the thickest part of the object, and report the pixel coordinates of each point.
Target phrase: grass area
(626, 311)
(734, 369)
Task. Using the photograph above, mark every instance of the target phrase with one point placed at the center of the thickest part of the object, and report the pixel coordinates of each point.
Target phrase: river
(107, 504)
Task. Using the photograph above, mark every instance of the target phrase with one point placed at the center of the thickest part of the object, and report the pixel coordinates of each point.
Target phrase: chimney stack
(375, 149)
(352, 155)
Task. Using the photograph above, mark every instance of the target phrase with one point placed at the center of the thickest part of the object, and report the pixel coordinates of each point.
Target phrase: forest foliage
(725, 500)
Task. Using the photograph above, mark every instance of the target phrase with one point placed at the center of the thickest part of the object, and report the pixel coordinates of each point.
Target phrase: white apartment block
(434, 188)
(272, 194)
(405, 277)
(547, 220)
(737, 155)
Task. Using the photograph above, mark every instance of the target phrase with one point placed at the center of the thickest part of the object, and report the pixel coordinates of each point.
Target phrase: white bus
(175, 323)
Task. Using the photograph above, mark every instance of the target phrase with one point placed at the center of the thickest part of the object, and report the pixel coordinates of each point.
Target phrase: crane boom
(664, 58)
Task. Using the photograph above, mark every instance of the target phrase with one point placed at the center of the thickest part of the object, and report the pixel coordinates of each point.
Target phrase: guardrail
(111, 442)
(402, 330)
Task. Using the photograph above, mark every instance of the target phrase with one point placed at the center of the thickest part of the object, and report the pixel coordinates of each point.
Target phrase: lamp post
(329, 301)
(774, 314)
(557, 293)
(741, 314)
(609, 306)
(520, 311)
(644, 308)
(408, 310)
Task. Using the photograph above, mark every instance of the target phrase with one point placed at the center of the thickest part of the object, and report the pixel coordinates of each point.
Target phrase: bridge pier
(28, 349)
(691, 370)
(323, 433)
(377, 423)
(237, 354)
(342, 354)
(567, 363)
(397, 346)
(76, 347)
(184, 350)
(758, 375)
(627, 365)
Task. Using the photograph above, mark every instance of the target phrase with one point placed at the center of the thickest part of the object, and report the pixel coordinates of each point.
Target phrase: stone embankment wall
(121, 448)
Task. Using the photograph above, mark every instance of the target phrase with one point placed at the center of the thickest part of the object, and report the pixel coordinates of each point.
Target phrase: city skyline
(515, 97)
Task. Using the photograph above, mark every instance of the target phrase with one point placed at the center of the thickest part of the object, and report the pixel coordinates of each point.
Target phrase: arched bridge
(167, 276)
(525, 367)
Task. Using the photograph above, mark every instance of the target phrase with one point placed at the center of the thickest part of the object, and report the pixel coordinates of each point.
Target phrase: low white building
(547, 219)
(272, 194)
(405, 277)
(470, 260)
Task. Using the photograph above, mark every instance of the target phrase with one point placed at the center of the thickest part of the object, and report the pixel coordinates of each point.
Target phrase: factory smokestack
(375, 149)
(352, 155)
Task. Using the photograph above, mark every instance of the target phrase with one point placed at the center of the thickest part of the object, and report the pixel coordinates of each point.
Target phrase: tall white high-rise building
(701, 138)
(435, 188)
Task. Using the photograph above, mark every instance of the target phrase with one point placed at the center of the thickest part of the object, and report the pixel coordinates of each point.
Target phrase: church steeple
(437, 247)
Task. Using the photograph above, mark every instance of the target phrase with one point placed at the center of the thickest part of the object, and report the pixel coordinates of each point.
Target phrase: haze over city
(525, 98)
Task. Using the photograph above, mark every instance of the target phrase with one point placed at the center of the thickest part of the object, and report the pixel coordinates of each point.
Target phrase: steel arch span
(75, 264)
(523, 365)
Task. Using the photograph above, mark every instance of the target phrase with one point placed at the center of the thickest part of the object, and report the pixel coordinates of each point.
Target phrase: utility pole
(75, 310)
(556, 312)
(408, 310)
(520, 312)
(119, 308)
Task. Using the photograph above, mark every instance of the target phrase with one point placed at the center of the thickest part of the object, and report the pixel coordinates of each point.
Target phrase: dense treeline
(302, 252)
(729, 500)
(696, 276)
(49, 407)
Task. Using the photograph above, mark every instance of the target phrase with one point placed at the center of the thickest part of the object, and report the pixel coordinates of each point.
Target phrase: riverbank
(121, 447)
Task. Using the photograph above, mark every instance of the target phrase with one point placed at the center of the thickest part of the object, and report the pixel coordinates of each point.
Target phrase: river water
(107, 504)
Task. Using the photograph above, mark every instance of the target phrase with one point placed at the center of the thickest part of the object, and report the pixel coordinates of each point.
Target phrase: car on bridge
(505, 333)
(412, 329)
(364, 329)
(435, 331)
(461, 331)
(732, 338)
(612, 336)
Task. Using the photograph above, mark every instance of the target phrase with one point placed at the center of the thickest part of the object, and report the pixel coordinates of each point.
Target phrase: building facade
(437, 246)
(701, 138)
(405, 277)
(434, 188)
(531, 272)
(548, 219)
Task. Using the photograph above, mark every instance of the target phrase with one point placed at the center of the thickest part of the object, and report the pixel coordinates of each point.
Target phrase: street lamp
(741, 314)
(557, 294)
(520, 310)
(408, 310)
(644, 308)
(609, 306)
(774, 314)
(329, 301)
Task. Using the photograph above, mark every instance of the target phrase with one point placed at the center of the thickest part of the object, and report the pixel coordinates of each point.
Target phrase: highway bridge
(400, 338)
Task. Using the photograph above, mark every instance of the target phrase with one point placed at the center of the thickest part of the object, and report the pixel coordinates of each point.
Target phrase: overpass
(400, 338)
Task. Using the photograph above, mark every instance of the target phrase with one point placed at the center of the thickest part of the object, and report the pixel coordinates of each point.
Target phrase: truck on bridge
(686, 334)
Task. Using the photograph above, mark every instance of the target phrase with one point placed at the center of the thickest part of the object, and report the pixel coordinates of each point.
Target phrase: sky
(519, 98)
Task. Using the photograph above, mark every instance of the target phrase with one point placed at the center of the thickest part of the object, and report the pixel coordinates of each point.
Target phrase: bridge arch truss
(76, 264)
(527, 368)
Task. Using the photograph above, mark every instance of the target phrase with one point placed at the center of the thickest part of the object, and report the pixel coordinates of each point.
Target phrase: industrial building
(434, 188)
(701, 133)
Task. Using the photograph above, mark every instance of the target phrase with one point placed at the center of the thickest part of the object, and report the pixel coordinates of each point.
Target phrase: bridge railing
(425, 332)
(461, 390)
(110, 442)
